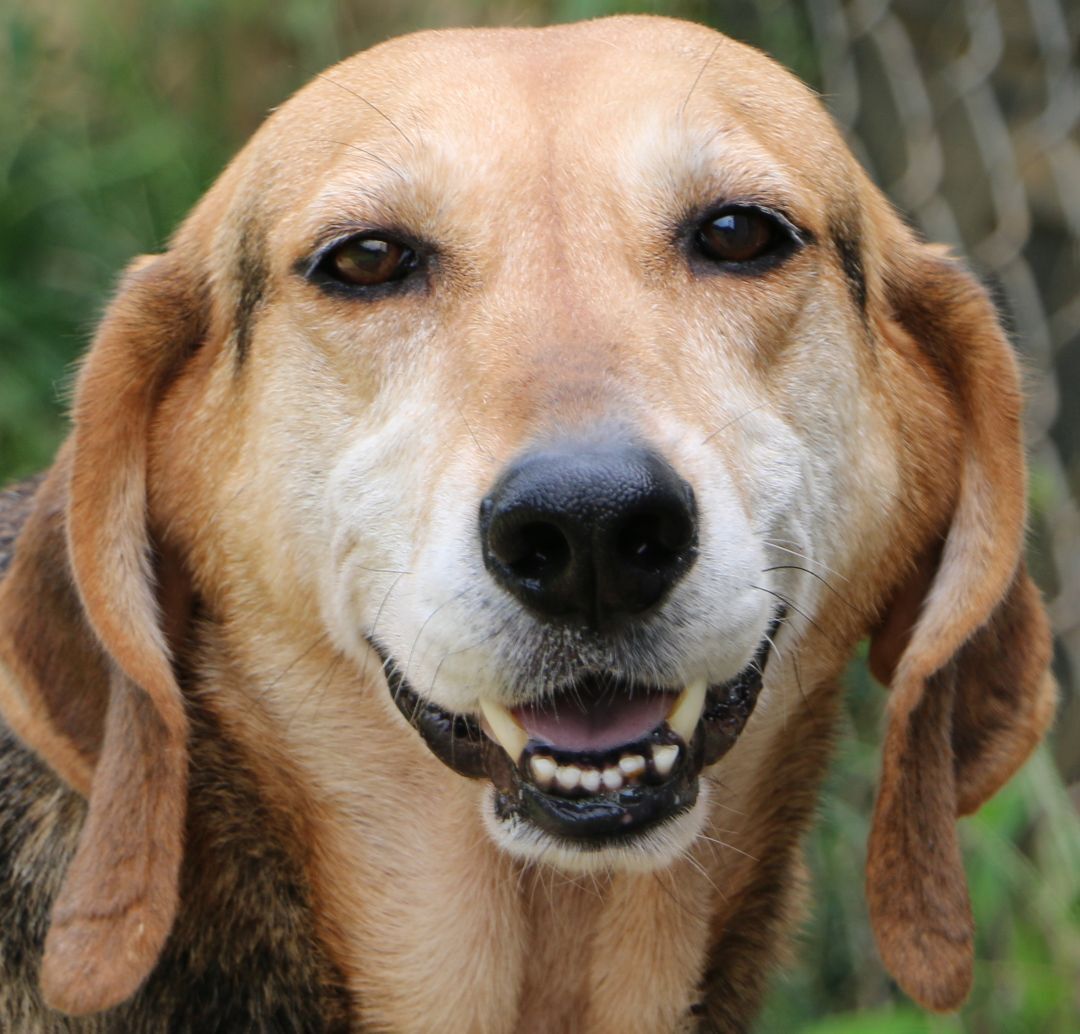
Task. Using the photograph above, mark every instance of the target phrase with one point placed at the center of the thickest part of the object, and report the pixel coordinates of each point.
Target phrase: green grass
(116, 116)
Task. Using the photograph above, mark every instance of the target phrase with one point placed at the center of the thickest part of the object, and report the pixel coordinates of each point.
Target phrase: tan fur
(228, 411)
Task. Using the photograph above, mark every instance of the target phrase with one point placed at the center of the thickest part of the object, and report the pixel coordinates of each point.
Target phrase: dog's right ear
(85, 673)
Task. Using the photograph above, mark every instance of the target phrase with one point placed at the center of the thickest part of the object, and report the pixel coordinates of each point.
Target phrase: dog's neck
(436, 928)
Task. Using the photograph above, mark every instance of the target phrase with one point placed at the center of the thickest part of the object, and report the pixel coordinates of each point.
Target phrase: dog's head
(580, 378)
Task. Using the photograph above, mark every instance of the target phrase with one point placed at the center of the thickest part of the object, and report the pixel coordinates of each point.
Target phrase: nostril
(654, 539)
(535, 551)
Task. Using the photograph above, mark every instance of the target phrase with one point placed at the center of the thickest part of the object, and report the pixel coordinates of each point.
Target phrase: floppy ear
(85, 675)
(964, 646)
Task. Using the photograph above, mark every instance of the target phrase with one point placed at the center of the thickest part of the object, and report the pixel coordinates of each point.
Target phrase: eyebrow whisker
(375, 158)
(693, 86)
(378, 111)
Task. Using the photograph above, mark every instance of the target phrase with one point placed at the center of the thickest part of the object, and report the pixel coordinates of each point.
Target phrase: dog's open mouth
(603, 758)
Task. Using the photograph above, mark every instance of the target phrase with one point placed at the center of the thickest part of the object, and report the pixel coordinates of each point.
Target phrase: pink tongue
(595, 723)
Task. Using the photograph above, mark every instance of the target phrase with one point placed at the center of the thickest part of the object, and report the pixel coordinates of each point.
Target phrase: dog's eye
(367, 261)
(738, 235)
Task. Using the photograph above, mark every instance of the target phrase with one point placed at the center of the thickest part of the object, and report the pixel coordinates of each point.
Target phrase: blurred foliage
(117, 115)
(1022, 854)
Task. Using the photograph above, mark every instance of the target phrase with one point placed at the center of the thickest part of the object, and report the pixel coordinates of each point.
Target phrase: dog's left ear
(85, 657)
(964, 647)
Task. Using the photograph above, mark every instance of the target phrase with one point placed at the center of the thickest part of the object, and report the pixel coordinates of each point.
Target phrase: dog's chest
(612, 956)
(476, 944)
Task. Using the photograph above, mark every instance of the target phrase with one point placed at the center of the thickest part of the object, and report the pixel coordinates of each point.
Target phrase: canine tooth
(686, 713)
(664, 757)
(590, 779)
(543, 769)
(568, 776)
(510, 735)
(612, 779)
(631, 765)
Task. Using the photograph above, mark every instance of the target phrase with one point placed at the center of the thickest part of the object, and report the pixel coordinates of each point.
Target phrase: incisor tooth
(631, 765)
(568, 776)
(543, 769)
(590, 780)
(664, 757)
(686, 713)
(612, 779)
(510, 735)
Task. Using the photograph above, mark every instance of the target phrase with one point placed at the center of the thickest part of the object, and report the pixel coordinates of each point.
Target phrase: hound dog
(434, 620)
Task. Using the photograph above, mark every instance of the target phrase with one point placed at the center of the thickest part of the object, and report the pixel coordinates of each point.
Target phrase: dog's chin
(646, 851)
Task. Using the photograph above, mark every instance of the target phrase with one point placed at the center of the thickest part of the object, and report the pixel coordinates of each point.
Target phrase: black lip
(458, 741)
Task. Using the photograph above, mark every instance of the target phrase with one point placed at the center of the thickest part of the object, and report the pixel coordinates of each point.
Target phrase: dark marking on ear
(925, 301)
(252, 277)
(845, 237)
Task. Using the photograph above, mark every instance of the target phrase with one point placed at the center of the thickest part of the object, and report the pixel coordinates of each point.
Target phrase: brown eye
(734, 236)
(367, 262)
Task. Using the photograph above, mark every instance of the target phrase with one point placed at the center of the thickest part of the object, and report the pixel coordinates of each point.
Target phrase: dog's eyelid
(771, 210)
(335, 237)
(800, 233)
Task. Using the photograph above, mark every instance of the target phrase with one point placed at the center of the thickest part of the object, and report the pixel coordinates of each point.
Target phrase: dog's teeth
(543, 770)
(612, 779)
(632, 765)
(664, 757)
(506, 730)
(568, 776)
(590, 780)
(686, 713)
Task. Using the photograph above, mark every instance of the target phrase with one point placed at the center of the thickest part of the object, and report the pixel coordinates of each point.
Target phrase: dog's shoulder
(244, 953)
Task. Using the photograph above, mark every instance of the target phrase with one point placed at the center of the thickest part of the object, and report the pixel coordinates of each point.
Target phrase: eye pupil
(369, 261)
(740, 235)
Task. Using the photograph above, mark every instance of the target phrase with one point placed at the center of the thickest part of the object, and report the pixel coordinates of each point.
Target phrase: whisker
(783, 599)
(379, 570)
(734, 420)
(802, 556)
(703, 871)
(361, 97)
(322, 681)
(670, 893)
(728, 807)
(813, 574)
(420, 632)
(798, 682)
(730, 847)
(385, 600)
(472, 434)
(374, 157)
(775, 648)
(697, 79)
(292, 664)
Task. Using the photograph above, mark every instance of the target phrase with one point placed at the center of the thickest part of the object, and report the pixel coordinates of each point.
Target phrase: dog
(435, 618)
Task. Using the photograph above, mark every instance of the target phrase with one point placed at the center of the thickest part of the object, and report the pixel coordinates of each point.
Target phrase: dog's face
(559, 394)
(581, 381)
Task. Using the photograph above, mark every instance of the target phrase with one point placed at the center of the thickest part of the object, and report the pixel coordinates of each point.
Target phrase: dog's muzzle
(603, 758)
(593, 535)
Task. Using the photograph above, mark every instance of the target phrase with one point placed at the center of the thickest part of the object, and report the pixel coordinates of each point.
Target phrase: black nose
(594, 532)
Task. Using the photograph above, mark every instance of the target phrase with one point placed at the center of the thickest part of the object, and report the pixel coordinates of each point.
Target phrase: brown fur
(211, 817)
